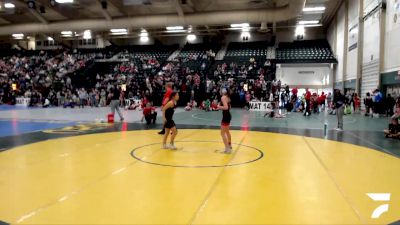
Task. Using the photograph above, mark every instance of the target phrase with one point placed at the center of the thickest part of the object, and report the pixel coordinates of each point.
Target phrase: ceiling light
(300, 30)
(240, 25)
(66, 32)
(119, 33)
(305, 22)
(118, 30)
(50, 39)
(175, 31)
(144, 39)
(314, 9)
(64, 1)
(191, 37)
(87, 34)
(175, 28)
(9, 5)
(18, 35)
(143, 34)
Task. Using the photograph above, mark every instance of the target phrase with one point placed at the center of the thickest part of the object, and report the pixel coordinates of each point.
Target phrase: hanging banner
(353, 37)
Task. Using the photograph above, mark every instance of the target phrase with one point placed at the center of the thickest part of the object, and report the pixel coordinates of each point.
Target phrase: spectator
(356, 102)
(115, 102)
(394, 129)
(389, 105)
(339, 101)
(396, 114)
(149, 114)
(368, 102)
(307, 98)
(378, 99)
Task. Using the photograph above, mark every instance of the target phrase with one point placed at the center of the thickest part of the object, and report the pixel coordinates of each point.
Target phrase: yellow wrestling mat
(126, 178)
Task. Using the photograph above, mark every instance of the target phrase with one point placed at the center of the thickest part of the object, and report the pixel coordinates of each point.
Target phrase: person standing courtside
(166, 98)
(169, 124)
(226, 120)
(114, 104)
(307, 96)
(339, 100)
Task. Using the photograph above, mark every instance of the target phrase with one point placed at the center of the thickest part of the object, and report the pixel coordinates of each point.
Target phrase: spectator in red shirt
(307, 112)
(144, 102)
(294, 91)
(357, 102)
(149, 114)
(321, 101)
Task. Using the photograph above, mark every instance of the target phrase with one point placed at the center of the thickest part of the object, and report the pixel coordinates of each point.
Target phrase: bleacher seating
(97, 53)
(243, 54)
(138, 61)
(247, 49)
(193, 56)
(142, 55)
(28, 53)
(315, 51)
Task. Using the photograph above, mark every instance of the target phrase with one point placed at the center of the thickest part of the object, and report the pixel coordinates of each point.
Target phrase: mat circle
(259, 156)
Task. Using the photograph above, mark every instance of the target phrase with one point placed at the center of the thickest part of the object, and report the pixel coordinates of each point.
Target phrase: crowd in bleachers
(35, 76)
(247, 71)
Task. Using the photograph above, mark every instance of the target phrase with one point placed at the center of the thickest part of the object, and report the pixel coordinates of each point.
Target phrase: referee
(114, 104)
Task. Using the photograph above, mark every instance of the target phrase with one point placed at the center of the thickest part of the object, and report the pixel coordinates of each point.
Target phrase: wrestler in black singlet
(226, 115)
(169, 113)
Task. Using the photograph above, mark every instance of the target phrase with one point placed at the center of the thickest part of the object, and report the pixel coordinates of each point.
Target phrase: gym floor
(60, 166)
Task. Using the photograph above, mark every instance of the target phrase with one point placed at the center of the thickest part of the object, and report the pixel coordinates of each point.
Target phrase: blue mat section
(15, 127)
(14, 107)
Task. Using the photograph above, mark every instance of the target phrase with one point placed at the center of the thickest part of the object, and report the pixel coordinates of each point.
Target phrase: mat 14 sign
(260, 106)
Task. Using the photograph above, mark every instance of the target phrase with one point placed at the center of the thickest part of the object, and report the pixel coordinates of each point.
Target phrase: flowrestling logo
(379, 197)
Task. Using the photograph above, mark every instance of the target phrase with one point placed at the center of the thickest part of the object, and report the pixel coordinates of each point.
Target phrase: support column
(346, 42)
(334, 67)
(382, 27)
(360, 46)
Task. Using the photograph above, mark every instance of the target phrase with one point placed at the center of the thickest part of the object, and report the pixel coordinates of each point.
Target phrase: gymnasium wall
(32, 44)
(392, 39)
(371, 44)
(352, 46)
(236, 36)
(340, 48)
(317, 75)
(331, 35)
(131, 41)
(371, 60)
(311, 33)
